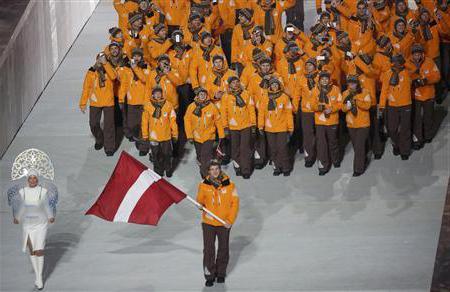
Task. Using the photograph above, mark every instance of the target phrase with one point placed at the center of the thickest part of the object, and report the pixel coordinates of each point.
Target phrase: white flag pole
(198, 205)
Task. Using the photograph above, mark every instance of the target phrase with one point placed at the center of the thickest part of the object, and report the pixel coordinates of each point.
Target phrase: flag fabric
(135, 194)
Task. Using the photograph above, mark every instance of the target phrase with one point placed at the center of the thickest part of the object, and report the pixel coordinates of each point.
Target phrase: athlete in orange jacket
(218, 194)
(356, 104)
(268, 13)
(326, 103)
(201, 63)
(275, 120)
(425, 74)
(202, 121)
(132, 93)
(307, 83)
(159, 127)
(396, 97)
(98, 90)
(239, 119)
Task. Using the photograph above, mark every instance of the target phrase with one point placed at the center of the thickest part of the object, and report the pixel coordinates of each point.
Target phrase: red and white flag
(135, 194)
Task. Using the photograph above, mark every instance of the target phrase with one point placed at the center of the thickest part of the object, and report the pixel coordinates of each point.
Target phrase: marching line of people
(227, 77)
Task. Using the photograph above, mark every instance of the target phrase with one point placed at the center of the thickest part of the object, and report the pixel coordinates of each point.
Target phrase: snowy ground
(302, 233)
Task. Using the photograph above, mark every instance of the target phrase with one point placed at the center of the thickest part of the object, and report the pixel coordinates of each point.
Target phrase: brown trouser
(241, 149)
(205, 152)
(376, 144)
(327, 145)
(399, 128)
(277, 144)
(261, 148)
(132, 116)
(297, 138)
(309, 136)
(359, 137)
(215, 266)
(423, 120)
(162, 156)
(106, 137)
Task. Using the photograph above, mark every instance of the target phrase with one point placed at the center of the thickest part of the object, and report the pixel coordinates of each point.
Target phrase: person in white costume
(34, 207)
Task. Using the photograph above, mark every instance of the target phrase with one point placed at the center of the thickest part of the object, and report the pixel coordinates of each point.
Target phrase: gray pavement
(378, 232)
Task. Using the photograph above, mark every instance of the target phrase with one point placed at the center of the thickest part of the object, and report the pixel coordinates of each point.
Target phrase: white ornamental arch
(32, 159)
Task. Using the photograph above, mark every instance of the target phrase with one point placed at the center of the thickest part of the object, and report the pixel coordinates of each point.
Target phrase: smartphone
(320, 58)
(290, 29)
(214, 2)
(178, 38)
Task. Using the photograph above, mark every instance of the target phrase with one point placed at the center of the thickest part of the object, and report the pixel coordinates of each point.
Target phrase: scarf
(395, 78)
(179, 51)
(269, 23)
(237, 94)
(246, 30)
(323, 96)
(351, 97)
(272, 105)
(195, 33)
(101, 75)
(199, 106)
(264, 82)
(219, 74)
(291, 64)
(207, 52)
(310, 78)
(158, 108)
(215, 182)
(426, 31)
(159, 75)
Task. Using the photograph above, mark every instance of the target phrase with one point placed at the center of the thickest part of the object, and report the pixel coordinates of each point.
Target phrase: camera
(177, 38)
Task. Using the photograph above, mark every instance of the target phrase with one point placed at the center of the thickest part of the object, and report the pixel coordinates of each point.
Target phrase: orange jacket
(203, 128)
(362, 102)
(363, 41)
(159, 129)
(279, 48)
(235, 117)
(429, 71)
(444, 26)
(403, 45)
(291, 81)
(255, 90)
(367, 78)
(306, 97)
(222, 201)
(280, 7)
(247, 74)
(131, 43)
(238, 44)
(381, 63)
(156, 49)
(247, 51)
(396, 96)
(200, 67)
(381, 19)
(98, 96)
(176, 11)
(181, 65)
(223, 85)
(431, 46)
(334, 104)
(411, 15)
(123, 9)
(189, 37)
(132, 85)
(278, 120)
(168, 84)
(227, 11)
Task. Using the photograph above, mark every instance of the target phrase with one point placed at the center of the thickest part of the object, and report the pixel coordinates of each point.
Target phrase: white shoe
(39, 285)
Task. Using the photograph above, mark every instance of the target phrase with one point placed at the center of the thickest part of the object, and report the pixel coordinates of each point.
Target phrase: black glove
(261, 132)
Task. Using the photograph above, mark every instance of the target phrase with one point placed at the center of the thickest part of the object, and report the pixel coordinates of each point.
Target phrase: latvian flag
(135, 194)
